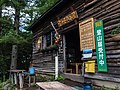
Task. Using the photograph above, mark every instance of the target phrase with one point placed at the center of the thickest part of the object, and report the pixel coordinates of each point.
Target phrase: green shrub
(105, 88)
(60, 78)
(116, 88)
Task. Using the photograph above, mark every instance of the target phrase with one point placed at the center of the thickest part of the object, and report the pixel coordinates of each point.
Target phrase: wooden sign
(86, 29)
(70, 17)
(90, 66)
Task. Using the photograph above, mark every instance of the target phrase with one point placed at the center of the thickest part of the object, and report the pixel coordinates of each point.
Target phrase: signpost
(100, 46)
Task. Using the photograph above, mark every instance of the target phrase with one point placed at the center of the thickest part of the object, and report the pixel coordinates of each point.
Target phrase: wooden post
(12, 78)
(56, 67)
(64, 53)
(15, 78)
(29, 80)
(34, 79)
(83, 70)
(77, 68)
(20, 80)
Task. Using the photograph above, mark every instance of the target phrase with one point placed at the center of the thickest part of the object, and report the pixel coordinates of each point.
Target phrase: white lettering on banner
(99, 38)
(100, 56)
(100, 44)
(100, 50)
(99, 32)
(101, 62)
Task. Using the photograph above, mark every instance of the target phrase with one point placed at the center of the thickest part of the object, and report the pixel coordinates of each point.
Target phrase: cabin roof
(49, 12)
(55, 8)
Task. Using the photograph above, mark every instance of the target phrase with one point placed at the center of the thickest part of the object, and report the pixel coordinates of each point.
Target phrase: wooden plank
(90, 9)
(103, 11)
(54, 86)
(104, 78)
(109, 57)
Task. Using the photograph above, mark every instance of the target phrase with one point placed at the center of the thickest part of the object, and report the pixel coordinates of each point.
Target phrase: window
(48, 39)
(53, 37)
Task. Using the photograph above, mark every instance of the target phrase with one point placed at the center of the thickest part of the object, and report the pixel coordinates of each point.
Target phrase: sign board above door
(70, 17)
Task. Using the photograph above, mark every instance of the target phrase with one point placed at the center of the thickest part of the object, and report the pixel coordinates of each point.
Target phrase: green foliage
(42, 78)
(12, 38)
(46, 78)
(60, 78)
(24, 42)
(34, 85)
(104, 88)
(116, 31)
(36, 9)
(12, 86)
(0, 84)
(50, 48)
(116, 88)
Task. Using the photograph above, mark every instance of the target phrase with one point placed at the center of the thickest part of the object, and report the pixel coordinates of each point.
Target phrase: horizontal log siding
(109, 12)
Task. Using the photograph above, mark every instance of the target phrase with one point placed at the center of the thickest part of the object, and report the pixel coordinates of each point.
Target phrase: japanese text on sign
(100, 47)
(86, 29)
(70, 17)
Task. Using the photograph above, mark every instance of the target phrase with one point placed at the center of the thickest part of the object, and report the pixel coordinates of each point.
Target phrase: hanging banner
(90, 66)
(86, 29)
(100, 46)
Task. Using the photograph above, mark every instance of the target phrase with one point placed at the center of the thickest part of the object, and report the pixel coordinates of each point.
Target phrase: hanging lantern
(56, 41)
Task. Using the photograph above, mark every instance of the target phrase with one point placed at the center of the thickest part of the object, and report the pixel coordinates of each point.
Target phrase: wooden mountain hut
(87, 47)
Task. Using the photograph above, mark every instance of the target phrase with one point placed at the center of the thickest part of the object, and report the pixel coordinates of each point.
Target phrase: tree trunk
(16, 22)
(14, 57)
(0, 20)
(14, 47)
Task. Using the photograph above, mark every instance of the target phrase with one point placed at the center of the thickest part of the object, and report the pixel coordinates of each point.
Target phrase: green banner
(100, 46)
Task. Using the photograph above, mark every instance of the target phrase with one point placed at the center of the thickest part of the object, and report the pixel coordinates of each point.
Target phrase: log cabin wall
(106, 10)
(46, 61)
(109, 12)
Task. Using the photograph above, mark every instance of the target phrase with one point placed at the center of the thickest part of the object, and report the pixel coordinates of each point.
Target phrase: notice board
(90, 66)
(86, 29)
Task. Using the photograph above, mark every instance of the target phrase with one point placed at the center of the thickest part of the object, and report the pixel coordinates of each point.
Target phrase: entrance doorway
(73, 54)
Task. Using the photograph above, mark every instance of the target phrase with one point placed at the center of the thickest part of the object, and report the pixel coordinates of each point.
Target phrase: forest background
(15, 17)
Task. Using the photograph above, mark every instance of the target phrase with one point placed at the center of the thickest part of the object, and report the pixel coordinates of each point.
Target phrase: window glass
(53, 37)
(48, 39)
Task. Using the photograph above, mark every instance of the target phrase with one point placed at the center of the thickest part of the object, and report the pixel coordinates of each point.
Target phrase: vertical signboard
(100, 46)
(86, 29)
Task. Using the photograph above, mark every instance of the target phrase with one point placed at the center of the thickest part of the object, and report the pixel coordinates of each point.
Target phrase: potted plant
(116, 34)
(50, 48)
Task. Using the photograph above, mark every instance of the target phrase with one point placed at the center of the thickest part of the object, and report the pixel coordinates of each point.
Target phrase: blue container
(87, 86)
